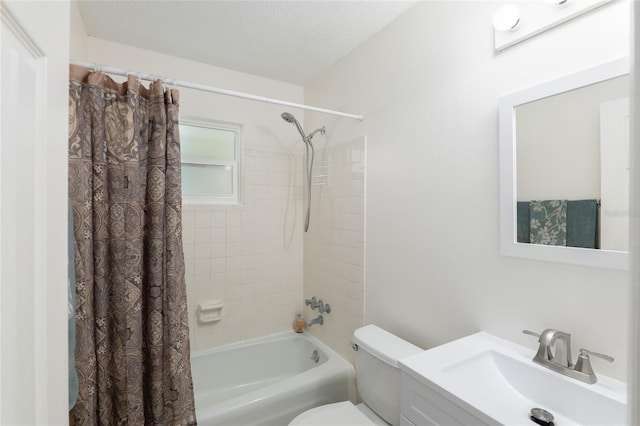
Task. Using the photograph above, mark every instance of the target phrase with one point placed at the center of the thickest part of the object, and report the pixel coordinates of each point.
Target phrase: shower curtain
(132, 333)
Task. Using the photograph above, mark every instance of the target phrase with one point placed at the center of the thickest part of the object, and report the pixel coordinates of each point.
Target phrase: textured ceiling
(291, 41)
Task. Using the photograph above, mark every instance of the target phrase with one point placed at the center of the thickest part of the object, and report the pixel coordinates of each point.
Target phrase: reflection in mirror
(574, 146)
(564, 169)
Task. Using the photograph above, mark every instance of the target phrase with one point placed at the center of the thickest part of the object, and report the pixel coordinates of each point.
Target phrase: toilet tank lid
(383, 345)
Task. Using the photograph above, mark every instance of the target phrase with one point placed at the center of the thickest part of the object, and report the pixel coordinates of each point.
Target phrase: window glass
(210, 162)
(204, 142)
(207, 180)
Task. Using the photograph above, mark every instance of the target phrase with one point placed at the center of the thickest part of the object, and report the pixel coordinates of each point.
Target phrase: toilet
(377, 381)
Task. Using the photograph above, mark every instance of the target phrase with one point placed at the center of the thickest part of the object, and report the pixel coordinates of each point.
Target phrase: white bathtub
(267, 381)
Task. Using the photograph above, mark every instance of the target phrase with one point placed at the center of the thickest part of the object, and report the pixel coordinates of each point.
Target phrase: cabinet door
(405, 422)
(34, 100)
(423, 406)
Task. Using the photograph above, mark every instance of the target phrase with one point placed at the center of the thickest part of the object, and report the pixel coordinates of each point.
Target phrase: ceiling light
(506, 18)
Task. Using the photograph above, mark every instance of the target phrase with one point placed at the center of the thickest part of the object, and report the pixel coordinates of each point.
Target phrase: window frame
(236, 164)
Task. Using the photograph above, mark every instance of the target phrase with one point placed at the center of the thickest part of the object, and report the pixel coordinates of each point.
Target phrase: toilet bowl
(377, 381)
(339, 414)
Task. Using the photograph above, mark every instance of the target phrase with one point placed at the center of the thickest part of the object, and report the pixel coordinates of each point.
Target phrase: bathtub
(268, 381)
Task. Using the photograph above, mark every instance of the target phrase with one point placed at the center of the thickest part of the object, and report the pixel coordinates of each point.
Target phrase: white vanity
(485, 380)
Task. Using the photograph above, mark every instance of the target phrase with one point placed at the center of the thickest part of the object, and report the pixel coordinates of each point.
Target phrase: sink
(497, 381)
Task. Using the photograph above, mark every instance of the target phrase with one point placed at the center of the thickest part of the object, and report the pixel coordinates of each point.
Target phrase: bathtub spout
(318, 320)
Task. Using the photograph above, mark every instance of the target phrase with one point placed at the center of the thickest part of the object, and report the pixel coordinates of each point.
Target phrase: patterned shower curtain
(132, 342)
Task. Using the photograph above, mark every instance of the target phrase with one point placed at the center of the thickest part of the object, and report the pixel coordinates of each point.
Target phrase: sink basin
(498, 382)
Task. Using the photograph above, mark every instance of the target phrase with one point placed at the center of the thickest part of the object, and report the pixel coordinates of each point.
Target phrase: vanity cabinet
(482, 379)
(423, 406)
(406, 422)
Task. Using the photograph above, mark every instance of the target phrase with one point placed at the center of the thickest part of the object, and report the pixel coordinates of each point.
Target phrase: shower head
(309, 158)
(288, 117)
(291, 119)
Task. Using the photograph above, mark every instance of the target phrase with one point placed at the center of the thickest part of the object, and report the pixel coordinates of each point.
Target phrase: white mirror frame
(508, 237)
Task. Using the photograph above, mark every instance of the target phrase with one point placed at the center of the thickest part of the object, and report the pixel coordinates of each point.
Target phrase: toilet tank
(377, 370)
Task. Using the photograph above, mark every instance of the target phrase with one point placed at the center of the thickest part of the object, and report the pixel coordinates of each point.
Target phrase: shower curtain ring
(132, 73)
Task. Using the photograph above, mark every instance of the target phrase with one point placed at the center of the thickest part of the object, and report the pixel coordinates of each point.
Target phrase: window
(210, 162)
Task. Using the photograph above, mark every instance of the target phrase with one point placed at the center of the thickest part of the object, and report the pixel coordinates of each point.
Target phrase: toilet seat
(339, 414)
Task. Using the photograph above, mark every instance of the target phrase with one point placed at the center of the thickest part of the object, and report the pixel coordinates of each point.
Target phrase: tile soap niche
(210, 311)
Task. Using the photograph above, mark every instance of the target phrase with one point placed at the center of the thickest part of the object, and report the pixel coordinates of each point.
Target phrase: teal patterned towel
(582, 223)
(523, 222)
(548, 222)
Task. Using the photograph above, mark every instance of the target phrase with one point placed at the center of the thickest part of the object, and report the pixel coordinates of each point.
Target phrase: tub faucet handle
(323, 307)
(312, 303)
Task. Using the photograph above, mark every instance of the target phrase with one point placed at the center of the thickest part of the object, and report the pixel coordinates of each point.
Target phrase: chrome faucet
(323, 307)
(555, 347)
(554, 353)
(318, 304)
(318, 320)
(312, 303)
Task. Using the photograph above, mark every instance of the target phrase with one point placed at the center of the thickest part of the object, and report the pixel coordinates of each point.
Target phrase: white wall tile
(188, 235)
(202, 281)
(202, 235)
(242, 255)
(188, 219)
(233, 220)
(334, 248)
(202, 266)
(202, 219)
(218, 235)
(218, 219)
(202, 251)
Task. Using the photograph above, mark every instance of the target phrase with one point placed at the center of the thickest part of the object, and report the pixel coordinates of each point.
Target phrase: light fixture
(558, 3)
(532, 17)
(506, 18)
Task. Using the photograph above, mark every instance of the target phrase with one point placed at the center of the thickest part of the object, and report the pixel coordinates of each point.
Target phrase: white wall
(428, 86)
(558, 143)
(248, 255)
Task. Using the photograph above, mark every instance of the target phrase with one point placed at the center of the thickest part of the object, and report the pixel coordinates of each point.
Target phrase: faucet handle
(531, 333)
(323, 307)
(583, 364)
(587, 352)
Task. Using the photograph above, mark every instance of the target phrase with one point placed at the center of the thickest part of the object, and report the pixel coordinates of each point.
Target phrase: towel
(582, 223)
(73, 375)
(523, 222)
(548, 222)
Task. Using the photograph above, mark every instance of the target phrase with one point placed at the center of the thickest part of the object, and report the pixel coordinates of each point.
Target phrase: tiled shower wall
(334, 244)
(248, 256)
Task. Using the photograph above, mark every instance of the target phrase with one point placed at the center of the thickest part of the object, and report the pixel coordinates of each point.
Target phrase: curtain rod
(203, 88)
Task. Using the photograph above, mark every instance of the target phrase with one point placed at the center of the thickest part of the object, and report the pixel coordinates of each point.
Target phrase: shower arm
(322, 131)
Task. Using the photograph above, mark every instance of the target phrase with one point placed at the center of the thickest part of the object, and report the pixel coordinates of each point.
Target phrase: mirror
(565, 143)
